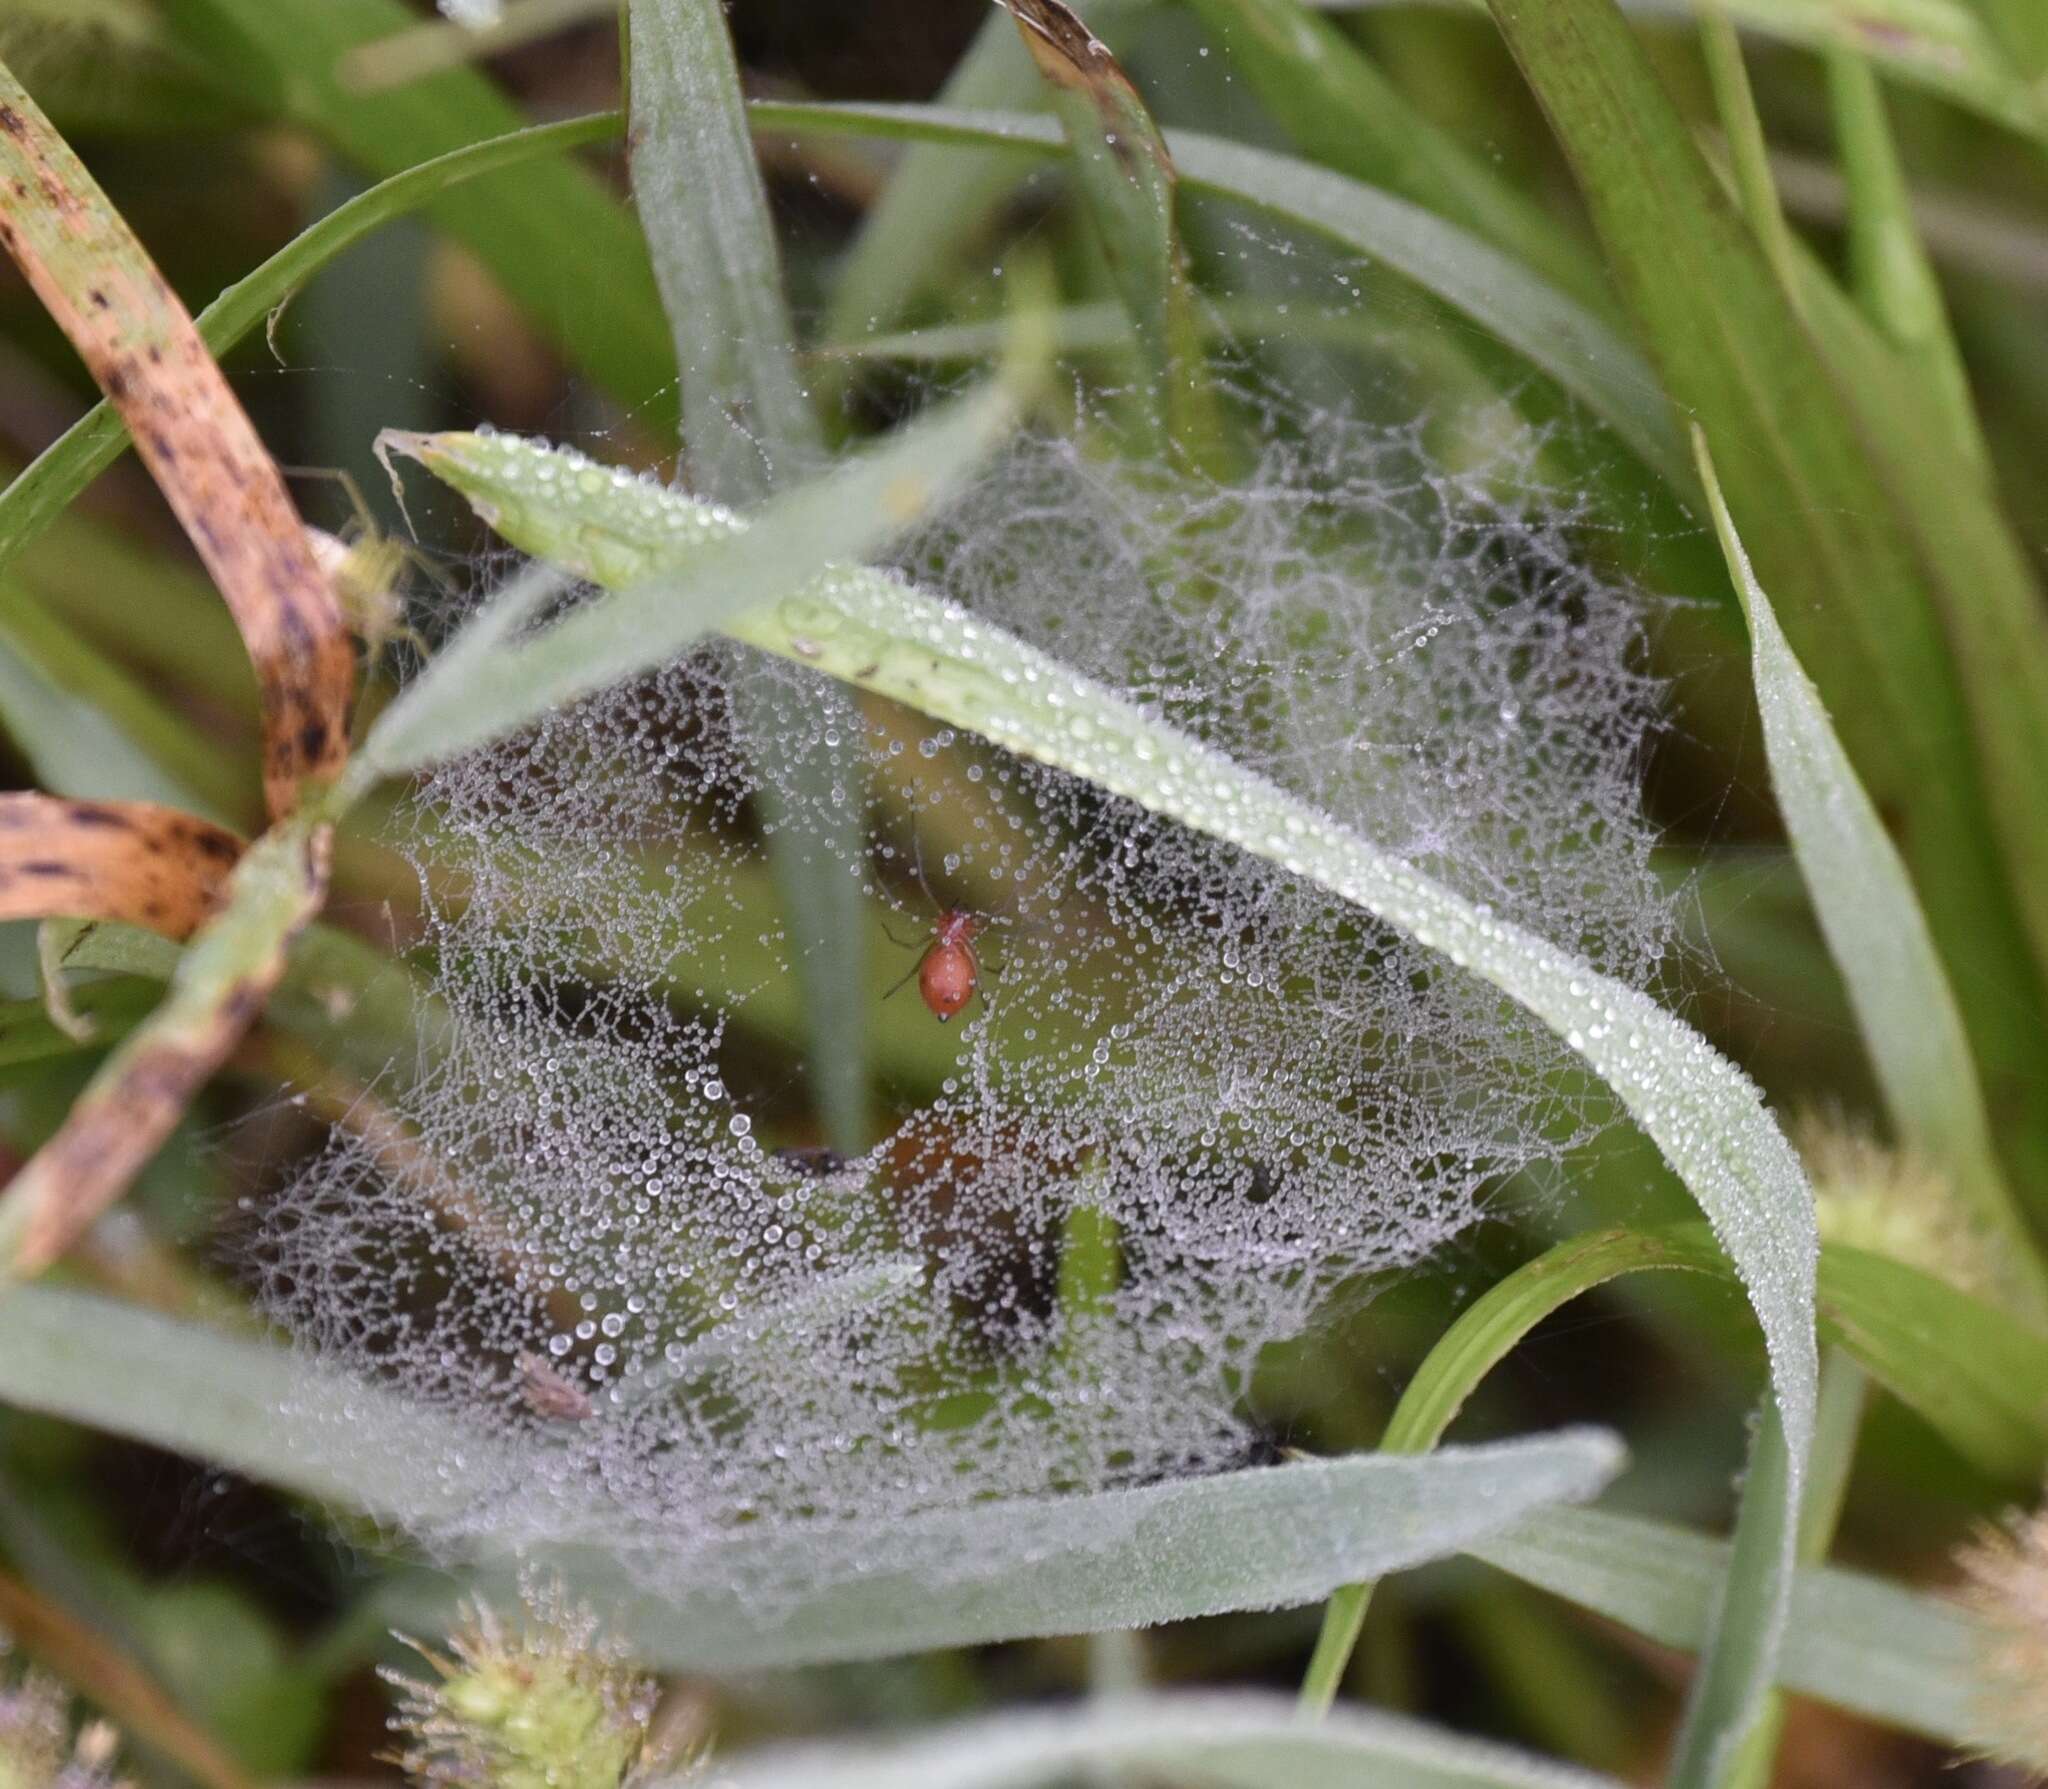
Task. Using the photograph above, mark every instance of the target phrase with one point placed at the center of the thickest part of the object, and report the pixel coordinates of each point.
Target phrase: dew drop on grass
(1199, 1102)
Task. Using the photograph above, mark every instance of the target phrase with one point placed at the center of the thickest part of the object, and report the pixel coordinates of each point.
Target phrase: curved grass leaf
(1877, 933)
(63, 469)
(1966, 1369)
(1203, 1741)
(1899, 1657)
(879, 634)
(1259, 1538)
(597, 301)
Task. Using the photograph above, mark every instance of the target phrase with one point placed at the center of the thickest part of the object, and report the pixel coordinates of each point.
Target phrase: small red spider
(949, 972)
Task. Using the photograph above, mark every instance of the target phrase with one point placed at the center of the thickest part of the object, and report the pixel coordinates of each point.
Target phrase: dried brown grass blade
(140, 344)
(127, 860)
(115, 1684)
(223, 980)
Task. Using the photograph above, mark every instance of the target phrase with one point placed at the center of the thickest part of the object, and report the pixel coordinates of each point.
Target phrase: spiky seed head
(2005, 1572)
(546, 1705)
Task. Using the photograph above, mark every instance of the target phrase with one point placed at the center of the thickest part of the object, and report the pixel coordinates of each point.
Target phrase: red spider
(949, 972)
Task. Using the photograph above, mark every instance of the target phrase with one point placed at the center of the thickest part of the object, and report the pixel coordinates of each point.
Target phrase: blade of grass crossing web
(748, 429)
(683, 568)
(882, 635)
(1900, 585)
(1878, 935)
(39, 495)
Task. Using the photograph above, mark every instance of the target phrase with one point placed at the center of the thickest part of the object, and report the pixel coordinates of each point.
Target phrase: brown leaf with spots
(127, 860)
(140, 344)
(222, 982)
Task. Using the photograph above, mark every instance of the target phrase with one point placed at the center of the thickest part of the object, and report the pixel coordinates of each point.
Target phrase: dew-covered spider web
(1196, 1102)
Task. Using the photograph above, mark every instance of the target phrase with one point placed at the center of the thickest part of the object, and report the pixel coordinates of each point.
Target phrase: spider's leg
(903, 980)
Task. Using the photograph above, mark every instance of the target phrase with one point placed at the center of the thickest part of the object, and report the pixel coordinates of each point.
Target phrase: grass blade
(748, 429)
(1205, 1741)
(40, 494)
(1877, 934)
(1964, 1367)
(1556, 335)
(132, 1103)
(1896, 1656)
(1128, 183)
(1259, 1538)
(879, 634)
(715, 567)
(598, 304)
(95, 279)
(1901, 587)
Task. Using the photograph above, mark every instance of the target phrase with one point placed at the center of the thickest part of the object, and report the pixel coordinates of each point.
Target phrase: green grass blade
(1889, 267)
(88, 729)
(42, 491)
(1877, 934)
(1203, 1741)
(746, 422)
(1896, 1656)
(748, 429)
(237, 1401)
(1259, 1538)
(597, 302)
(1336, 105)
(714, 568)
(1557, 336)
(1900, 587)
(1128, 186)
(1965, 1368)
(883, 636)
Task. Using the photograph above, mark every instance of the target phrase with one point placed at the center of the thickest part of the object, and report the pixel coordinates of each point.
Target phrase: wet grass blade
(714, 567)
(1878, 935)
(748, 431)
